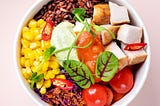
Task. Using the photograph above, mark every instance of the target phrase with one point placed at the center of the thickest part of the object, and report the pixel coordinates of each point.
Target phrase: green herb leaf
(48, 53)
(106, 66)
(79, 14)
(33, 76)
(38, 78)
(79, 72)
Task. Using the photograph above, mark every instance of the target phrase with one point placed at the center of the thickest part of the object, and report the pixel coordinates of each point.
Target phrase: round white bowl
(140, 76)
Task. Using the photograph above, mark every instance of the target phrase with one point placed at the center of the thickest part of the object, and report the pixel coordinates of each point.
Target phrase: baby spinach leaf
(106, 66)
(79, 72)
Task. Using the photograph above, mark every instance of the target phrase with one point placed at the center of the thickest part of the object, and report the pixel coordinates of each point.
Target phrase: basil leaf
(79, 72)
(106, 66)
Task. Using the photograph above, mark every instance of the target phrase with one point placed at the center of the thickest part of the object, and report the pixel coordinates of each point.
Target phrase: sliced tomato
(89, 55)
(97, 95)
(122, 82)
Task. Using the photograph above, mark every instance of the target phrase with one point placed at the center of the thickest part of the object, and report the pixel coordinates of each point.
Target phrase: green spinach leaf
(106, 66)
(79, 72)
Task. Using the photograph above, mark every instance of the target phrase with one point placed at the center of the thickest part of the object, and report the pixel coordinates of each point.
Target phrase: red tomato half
(122, 82)
(97, 95)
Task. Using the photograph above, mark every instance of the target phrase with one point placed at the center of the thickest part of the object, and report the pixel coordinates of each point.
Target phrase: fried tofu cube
(135, 57)
(101, 14)
(123, 60)
(119, 14)
(106, 36)
(130, 34)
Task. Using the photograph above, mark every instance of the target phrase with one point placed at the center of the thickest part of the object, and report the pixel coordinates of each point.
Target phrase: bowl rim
(128, 97)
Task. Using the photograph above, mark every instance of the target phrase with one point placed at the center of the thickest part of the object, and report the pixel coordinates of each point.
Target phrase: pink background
(12, 93)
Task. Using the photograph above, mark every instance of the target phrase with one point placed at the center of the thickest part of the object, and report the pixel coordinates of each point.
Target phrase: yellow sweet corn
(28, 70)
(28, 36)
(25, 74)
(56, 71)
(45, 66)
(61, 76)
(35, 45)
(38, 37)
(35, 31)
(50, 74)
(39, 84)
(32, 23)
(41, 23)
(54, 64)
(32, 51)
(25, 29)
(43, 90)
(25, 43)
(22, 61)
(27, 63)
(47, 83)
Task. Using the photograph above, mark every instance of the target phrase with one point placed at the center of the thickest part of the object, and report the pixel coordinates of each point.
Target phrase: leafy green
(79, 14)
(79, 72)
(106, 66)
(36, 78)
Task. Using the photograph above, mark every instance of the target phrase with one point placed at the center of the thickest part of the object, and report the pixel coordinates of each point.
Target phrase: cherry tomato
(117, 96)
(122, 82)
(97, 95)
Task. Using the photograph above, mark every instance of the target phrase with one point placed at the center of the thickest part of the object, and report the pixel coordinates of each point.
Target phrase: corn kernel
(25, 43)
(56, 71)
(28, 36)
(45, 44)
(33, 68)
(25, 29)
(53, 64)
(27, 63)
(39, 51)
(36, 63)
(41, 23)
(50, 74)
(38, 37)
(25, 74)
(22, 61)
(47, 83)
(45, 66)
(39, 84)
(32, 23)
(35, 45)
(61, 76)
(43, 90)
(29, 55)
(35, 31)
(28, 70)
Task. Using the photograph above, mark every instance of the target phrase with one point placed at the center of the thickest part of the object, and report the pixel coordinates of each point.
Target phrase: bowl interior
(140, 76)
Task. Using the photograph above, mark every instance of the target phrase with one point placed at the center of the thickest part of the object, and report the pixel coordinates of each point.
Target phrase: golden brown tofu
(101, 14)
(106, 36)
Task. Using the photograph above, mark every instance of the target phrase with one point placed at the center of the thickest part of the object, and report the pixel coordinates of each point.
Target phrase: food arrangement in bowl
(81, 52)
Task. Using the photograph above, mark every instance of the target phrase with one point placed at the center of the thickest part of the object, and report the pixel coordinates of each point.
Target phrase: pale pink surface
(12, 93)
